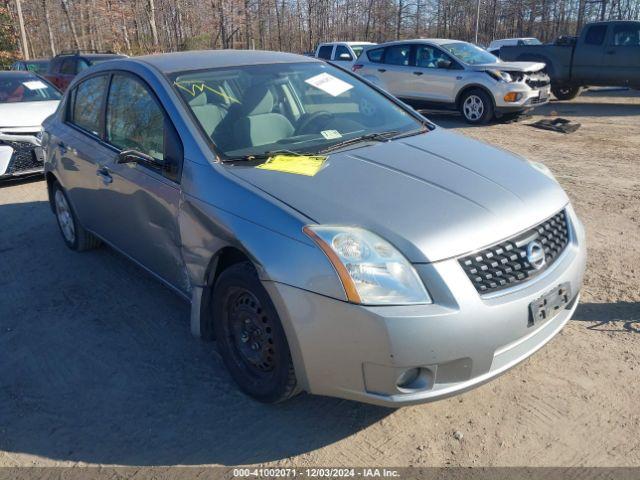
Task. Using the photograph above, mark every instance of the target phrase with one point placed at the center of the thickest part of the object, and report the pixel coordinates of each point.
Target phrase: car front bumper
(460, 341)
(527, 97)
(20, 154)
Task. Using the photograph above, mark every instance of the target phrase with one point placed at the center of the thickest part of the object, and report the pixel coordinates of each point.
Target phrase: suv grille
(24, 158)
(505, 264)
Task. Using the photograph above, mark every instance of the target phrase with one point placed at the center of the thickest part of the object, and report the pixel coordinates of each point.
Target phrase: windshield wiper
(369, 137)
(264, 155)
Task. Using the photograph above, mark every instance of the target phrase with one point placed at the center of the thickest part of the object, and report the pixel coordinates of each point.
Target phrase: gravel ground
(97, 365)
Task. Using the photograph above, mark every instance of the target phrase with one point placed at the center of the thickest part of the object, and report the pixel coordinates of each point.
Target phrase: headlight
(542, 168)
(500, 75)
(372, 271)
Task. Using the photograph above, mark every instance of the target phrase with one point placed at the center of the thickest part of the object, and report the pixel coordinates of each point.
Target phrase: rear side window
(375, 55)
(135, 121)
(626, 35)
(397, 55)
(325, 52)
(341, 50)
(87, 104)
(595, 35)
(68, 66)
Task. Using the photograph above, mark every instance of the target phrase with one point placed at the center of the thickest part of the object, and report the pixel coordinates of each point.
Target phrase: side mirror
(443, 63)
(133, 156)
(345, 56)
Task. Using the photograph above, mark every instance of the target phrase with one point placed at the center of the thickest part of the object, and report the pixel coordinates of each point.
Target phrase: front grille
(505, 264)
(24, 158)
(537, 80)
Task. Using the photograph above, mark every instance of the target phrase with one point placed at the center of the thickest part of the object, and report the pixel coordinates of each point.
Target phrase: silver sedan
(330, 239)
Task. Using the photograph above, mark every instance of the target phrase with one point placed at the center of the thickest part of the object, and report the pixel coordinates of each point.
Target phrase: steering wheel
(308, 121)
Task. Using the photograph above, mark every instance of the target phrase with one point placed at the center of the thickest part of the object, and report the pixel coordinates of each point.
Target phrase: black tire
(476, 107)
(250, 337)
(73, 234)
(565, 92)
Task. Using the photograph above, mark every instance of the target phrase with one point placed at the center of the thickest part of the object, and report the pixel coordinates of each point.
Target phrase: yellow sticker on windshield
(296, 164)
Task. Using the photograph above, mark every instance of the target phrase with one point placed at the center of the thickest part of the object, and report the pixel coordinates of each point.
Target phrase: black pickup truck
(605, 54)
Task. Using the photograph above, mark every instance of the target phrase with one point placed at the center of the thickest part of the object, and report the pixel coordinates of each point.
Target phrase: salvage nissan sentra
(329, 238)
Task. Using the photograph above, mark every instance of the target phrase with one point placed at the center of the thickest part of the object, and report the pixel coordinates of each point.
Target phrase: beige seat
(208, 114)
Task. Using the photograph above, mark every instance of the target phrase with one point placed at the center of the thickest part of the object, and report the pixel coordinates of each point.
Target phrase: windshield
(357, 49)
(26, 88)
(469, 53)
(298, 107)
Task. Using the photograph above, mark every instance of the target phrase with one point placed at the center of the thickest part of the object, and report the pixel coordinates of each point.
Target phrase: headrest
(199, 100)
(258, 101)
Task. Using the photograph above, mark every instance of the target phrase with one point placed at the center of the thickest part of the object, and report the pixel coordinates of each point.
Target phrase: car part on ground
(448, 74)
(316, 223)
(561, 125)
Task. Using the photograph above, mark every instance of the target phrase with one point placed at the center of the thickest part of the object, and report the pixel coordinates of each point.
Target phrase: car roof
(348, 43)
(432, 41)
(203, 59)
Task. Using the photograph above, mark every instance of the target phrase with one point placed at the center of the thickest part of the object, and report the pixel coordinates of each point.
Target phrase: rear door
(431, 80)
(396, 70)
(622, 55)
(138, 208)
(588, 56)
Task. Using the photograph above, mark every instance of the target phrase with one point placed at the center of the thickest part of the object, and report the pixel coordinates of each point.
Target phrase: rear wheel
(476, 107)
(73, 234)
(566, 92)
(250, 337)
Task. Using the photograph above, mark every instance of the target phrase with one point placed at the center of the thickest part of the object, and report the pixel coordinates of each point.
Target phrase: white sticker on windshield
(331, 134)
(330, 84)
(35, 85)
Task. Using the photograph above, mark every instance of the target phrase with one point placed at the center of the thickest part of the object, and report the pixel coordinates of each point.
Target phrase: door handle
(103, 173)
(382, 70)
(63, 147)
(417, 73)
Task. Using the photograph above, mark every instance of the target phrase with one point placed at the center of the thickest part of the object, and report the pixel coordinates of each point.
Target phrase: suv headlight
(372, 271)
(542, 168)
(500, 75)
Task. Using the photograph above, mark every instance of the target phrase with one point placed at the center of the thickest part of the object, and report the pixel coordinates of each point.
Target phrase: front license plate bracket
(549, 305)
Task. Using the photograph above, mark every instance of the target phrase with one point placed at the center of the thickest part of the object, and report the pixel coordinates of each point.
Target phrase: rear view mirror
(345, 56)
(443, 63)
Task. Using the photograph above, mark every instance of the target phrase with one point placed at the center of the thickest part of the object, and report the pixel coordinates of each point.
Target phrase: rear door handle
(103, 173)
(417, 73)
(382, 70)
(63, 147)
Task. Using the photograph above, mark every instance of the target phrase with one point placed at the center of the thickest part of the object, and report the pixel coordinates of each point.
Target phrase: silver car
(329, 238)
(456, 75)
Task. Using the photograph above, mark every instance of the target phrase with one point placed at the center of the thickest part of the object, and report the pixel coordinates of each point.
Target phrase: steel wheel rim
(65, 220)
(473, 107)
(250, 333)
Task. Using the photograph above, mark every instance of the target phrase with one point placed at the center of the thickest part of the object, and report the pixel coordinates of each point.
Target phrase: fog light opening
(407, 378)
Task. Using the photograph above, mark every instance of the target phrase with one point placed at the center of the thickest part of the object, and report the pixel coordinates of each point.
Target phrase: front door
(139, 205)
(434, 77)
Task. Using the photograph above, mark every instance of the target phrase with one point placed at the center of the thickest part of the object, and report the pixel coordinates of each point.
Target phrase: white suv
(452, 74)
(345, 53)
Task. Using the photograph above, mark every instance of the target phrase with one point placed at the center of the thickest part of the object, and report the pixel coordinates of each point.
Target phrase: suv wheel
(250, 337)
(476, 107)
(73, 234)
(566, 92)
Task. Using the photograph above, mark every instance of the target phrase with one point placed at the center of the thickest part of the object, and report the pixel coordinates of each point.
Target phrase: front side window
(87, 104)
(595, 35)
(469, 53)
(626, 35)
(25, 87)
(300, 107)
(428, 56)
(135, 121)
(343, 53)
(397, 55)
(325, 52)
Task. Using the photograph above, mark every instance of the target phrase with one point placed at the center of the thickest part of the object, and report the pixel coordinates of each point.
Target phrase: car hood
(26, 114)
(510, 66)
(434, 196)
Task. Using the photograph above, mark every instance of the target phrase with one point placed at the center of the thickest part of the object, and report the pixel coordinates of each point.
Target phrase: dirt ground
(97, 365)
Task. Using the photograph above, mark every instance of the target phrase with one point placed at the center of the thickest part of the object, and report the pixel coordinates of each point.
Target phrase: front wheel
(476, 107)
(566, 92)
(250, 337)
